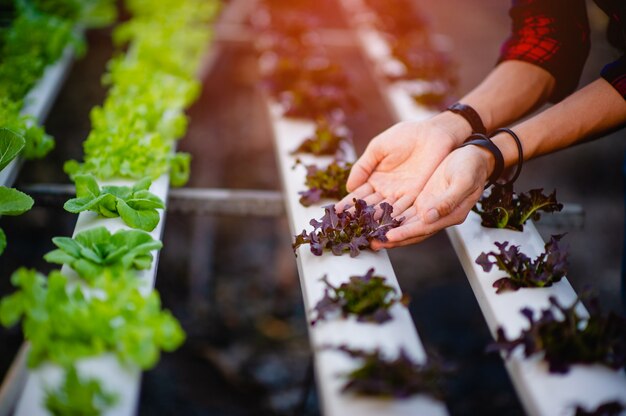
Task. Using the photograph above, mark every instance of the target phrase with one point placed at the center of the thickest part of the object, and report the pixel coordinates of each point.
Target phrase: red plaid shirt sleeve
(552, 34)
(615, 74)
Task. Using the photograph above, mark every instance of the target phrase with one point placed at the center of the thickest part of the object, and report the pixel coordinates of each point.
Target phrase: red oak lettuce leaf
(567, 339)
(348, 231)
(503, 208)
(400, 377)
(329, 138)
(329, 182)
(612, 408)
(368, 297)
(548, 268)
(309, 100)
(307, 85)
(423, 61)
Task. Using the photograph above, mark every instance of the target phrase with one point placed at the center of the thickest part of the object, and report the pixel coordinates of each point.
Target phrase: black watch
(469, 114)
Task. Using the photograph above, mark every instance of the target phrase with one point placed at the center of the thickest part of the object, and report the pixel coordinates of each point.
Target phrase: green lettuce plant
(63, 322)
(37, 35)
(91, 252)
(36, 142)
(136, 205)
(12, 202)
(78, 396)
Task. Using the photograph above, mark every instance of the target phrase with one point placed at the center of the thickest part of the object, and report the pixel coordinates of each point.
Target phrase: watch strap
(469, 114)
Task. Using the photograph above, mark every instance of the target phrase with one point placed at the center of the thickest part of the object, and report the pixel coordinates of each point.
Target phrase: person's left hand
(446, 199)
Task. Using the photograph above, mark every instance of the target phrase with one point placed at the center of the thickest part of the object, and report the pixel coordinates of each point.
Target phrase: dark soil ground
(232, 280)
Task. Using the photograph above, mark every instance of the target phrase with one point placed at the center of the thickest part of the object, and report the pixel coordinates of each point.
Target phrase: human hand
(446, 199)
(398, 162)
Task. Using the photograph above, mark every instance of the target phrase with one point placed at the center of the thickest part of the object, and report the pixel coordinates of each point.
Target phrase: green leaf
(145, 220)
(14, 202)
(3, 241)
(92, 236)
(86, 186)
(78, 396)
(123, 192)
(114, 254)
(179, 169)
(11, 144)
(77, 205)
(86, 268)
(58, 257)
(170, 332)
(142, 262)
(145, 200)
(89, 254)
(68, 245)
(11, 309)
(142, 184)
(107, 206)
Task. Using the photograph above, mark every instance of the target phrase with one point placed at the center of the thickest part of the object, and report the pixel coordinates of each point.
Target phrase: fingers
(404, 207)
(409, 229)
(407, 213)
(373, 199)
(362, 169)
(361, 192)
(436, 207)
(414, 229)
(379, 245)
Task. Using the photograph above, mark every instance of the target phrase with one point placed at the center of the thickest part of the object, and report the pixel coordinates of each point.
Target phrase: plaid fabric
(552, 34)
(615, 72)
(536, 40)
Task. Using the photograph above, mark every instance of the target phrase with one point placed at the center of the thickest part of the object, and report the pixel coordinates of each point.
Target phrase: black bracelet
(484, 142)
(470, 115)
(520, 152)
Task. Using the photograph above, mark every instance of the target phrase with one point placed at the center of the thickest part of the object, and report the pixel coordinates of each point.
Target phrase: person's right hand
(397, 163)
(447, 198)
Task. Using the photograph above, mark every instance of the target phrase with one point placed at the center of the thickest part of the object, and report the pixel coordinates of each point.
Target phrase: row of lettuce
(34, 34)
(103, 307)
(300, 75)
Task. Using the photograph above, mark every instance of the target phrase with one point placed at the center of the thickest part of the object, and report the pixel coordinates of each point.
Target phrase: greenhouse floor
(232, 280)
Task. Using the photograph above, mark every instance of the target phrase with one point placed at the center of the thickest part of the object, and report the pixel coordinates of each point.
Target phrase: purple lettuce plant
(329, 182)
(548, 268)
(308, 86)
(400, 377)
(368, 297)
(503, 208)
(566, 339)
(329, 137)
(348, 231)
(611, 408)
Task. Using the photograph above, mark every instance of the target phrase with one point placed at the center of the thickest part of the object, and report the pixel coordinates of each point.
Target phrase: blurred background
(232, 280)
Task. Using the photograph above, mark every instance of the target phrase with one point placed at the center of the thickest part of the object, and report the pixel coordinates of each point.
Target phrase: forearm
(586, 114)
(510, 91)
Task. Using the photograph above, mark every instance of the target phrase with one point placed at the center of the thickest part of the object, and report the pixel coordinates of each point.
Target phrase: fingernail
(431, 216)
